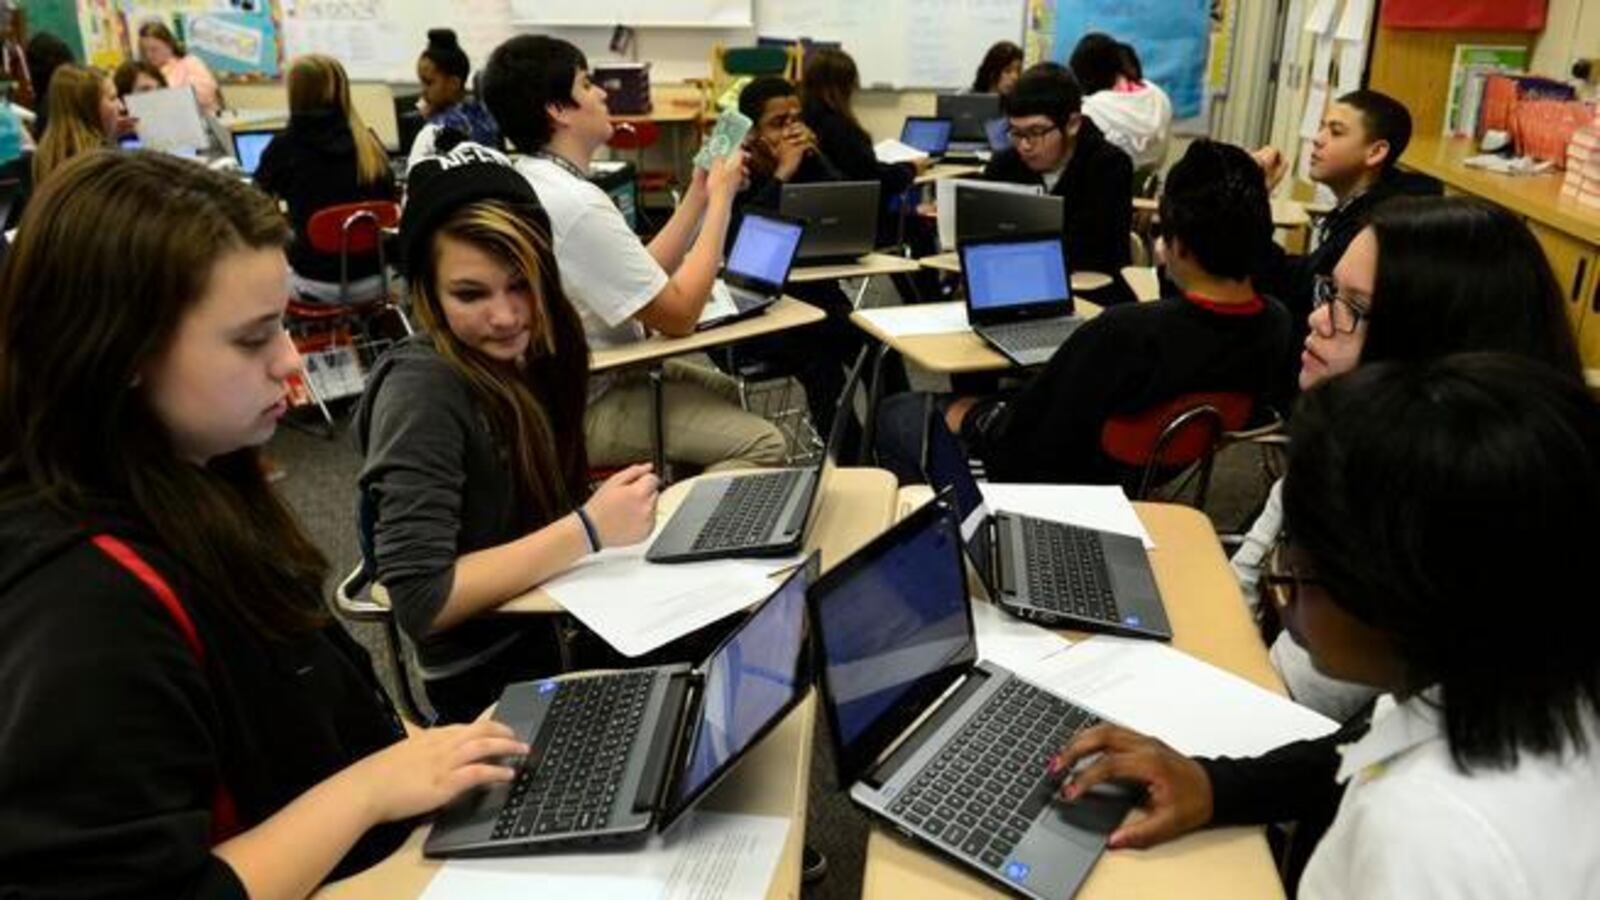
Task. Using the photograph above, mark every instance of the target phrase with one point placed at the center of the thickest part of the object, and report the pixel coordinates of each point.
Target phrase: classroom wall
(1572, 31)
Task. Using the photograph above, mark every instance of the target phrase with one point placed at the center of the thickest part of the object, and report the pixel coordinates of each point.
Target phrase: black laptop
(951, 751)
(763, 513)
(968, 115)
(1019, 295)
(757, 268)
(617, 754)
(984, 212)
(1058, 575)
(841, 219)
(930, 134)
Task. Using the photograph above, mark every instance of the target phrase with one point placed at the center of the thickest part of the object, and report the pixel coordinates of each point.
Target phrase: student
(1219, 334)
(475, 479)
(538, 89)
(84, 116)
(1135, 115)
(998, 72)
(326, 156)
(1053, 145)
(442, 70)
(45, 54)
(183, 718)
(1425, 278)
(137, 76)
(1438, 513)
(159, 48)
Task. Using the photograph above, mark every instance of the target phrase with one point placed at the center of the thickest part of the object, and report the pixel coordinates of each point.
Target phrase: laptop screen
(931, 136)
(764, 249)
(756, 676)
(967, 113)
(998, 131)
(248, 145)
(944, 465)
(1015, 273)
(894, 630)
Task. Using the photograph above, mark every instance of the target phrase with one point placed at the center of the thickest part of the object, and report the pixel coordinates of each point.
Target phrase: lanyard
(563, 162)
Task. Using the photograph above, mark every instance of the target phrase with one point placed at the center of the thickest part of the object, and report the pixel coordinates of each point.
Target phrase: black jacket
(311, 165)
(1097, 190)
(1123, 361)
(113, 738)
(849, 148)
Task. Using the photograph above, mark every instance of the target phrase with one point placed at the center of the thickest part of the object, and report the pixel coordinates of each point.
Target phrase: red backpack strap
(224, 814)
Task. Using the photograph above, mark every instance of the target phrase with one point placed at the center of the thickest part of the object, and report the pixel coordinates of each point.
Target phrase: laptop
(248, 145)
(1057, 575)
(841, 218)
(1019, 295)
(929, 134)
(946, 193)
(759, 513)
(984, 212)
(757, 268)
(968, 115)
(618, 754)
(998, 132)
(950, 751)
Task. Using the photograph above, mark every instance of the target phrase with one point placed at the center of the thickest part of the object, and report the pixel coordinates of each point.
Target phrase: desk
(953, 353)
(873, 264)
(1143, 281)
(941, 171)
(951, 262)
(253, 119)
(1210, 622)
(1286, 213)
(858, 505)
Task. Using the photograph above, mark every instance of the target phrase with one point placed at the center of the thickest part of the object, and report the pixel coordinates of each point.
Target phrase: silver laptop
(1055, 574)
(841, 219)
(617, 754)
(762, 513)
(756, 270)
(1019, 294)
(930, 134)
(950, 751)
(982, 212)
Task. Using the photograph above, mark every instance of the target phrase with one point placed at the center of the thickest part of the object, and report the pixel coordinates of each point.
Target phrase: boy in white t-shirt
(538, 90)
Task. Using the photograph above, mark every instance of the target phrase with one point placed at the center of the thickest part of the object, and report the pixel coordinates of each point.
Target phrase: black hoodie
(312, 166)
(113, 738)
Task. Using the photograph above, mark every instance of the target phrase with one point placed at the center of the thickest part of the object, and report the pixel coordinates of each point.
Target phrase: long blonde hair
(74, 125)
(537, 411)
(318, 83)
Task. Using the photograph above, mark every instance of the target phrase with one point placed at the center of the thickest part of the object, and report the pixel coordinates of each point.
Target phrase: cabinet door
(1574, 263)
(1589, 328)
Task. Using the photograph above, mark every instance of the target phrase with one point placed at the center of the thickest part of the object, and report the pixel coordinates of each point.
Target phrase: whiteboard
(633, 13)
(901, 43)
(379, 40)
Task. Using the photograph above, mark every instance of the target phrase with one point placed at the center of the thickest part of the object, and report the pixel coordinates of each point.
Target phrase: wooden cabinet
(1575, 263)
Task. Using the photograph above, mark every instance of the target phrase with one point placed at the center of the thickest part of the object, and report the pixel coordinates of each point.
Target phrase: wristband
(589, 531)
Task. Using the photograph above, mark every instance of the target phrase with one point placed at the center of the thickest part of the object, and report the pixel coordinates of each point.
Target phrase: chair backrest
(634, 135)
(1176, 433)
(354, 228)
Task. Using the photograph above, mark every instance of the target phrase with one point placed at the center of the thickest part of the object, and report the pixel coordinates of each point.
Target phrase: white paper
(1101, 507)
(919, 318)
(1316, 105)
(1351, 59)
(1320, 18)
(1353, 24)
(1007, 640)
(636, 606)
(1321, 60)
(1197, 708)
(169, 119)
(890, 151)
(710, 856)
(719, 305)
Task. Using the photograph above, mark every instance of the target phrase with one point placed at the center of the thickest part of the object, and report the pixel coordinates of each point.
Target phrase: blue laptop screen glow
(249, 147)
(928, 135)
(1015, 274)
(748, 681)
(764, 249)
(999, 133)
(892, 625)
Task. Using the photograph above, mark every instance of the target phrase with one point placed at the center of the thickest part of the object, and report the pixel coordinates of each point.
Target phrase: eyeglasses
(1030, 135)
(1345, 313)
(1280, 583)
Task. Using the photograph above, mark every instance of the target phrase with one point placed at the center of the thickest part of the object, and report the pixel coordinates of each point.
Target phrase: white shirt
(1137, 122)
(606, 272)
(1412, 826)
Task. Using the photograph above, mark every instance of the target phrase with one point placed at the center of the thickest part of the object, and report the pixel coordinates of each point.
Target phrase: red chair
(1169, 437)
(638, 137)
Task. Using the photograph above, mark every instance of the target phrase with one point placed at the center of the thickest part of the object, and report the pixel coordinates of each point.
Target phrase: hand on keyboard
(1177, 790)
(428, 769)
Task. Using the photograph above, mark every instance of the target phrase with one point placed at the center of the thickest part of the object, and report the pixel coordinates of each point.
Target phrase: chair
(729, 63)
(1182, 433)
(639, 137)
(361, 599)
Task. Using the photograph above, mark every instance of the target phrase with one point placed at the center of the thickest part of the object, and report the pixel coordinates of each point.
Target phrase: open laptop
(929, 134)
(757, 268)
(759, 513)
(983, 212)
(617, 753)
(968, 115)
(248, 145)
(841, 219)
(948, 195)
(998, 133)
(950, 751)
(1019, 295)
(1058, 575)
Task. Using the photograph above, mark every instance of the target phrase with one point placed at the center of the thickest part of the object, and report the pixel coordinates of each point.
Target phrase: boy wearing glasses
(1054, 145)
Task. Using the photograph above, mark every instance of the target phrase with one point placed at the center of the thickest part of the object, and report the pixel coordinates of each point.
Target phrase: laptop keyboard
(1019, 338)
(1067, 571)
(747, 512)
(570, 780)
(984, 789)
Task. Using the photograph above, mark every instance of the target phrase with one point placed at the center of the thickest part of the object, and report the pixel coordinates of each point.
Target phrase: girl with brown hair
(327, 156)
(182, 718)
(160, 48)
(84, 112)
(474, 488)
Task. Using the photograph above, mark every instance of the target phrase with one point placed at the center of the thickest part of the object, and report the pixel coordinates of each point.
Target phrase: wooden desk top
(785, 314)
(1210, 622)
(866, 267)
(951, 262)
(1537, 197)
(954, 352)
(1286, 212)
(1143, 281)
(774, 780)
(940, 171)
(670, 103)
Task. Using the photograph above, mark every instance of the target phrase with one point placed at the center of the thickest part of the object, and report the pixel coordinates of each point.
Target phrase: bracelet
(589, 531)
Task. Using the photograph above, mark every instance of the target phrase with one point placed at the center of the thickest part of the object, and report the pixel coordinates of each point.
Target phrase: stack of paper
(918, 318)
(890, 151)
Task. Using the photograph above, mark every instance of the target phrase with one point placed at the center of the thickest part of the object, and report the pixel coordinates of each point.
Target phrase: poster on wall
(105, 34)
(362, 34)
(235, 42)
(1039, 41)
(1172, 38)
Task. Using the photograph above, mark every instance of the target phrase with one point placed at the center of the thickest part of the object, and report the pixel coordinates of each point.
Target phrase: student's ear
(1073, 123)
(557, 114)
(1377, 154)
